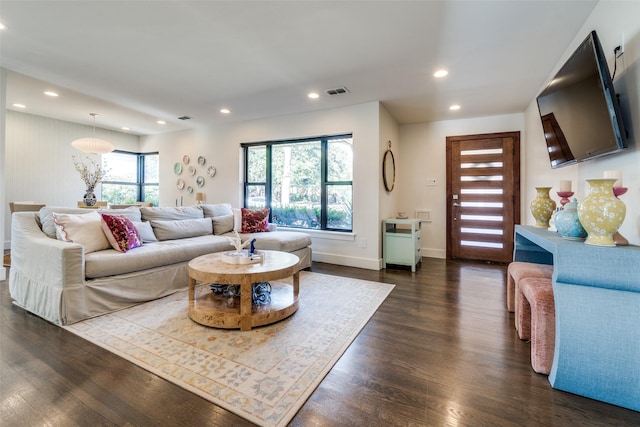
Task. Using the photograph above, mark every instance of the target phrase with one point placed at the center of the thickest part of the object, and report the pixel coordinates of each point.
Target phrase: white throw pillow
(237, 219)
(85, 229)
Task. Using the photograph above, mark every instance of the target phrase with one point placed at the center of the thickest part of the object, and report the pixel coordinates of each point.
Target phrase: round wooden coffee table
(215, 310)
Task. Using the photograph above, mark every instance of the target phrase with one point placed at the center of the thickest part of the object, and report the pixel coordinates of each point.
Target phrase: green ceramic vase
(542, 207)
(601, 213)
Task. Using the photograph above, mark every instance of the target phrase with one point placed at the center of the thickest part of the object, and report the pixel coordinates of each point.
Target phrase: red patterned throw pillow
(255, 221)
(121, 232)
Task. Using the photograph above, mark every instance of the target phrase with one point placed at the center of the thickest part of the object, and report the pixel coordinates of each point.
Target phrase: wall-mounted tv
(579, 109)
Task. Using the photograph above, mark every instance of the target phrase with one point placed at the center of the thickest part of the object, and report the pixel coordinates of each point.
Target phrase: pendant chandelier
(93, 145)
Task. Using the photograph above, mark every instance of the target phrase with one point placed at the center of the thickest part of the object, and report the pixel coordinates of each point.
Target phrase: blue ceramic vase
(567, 222)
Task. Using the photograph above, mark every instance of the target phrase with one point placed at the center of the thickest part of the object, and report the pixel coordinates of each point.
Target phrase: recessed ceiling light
(313, 95)
(225, 110)
(161, 122)
(2, 27)
(454, 107)
(440, 73)
(19, 105)
(51, 93)
(125, 128)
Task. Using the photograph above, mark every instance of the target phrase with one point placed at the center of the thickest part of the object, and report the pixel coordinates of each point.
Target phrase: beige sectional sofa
(62, 283)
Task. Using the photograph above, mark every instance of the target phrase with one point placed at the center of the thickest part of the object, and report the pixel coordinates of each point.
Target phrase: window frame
(140, 183)
(324, 183)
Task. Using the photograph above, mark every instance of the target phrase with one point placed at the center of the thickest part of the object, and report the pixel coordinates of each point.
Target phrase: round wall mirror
(389, 169)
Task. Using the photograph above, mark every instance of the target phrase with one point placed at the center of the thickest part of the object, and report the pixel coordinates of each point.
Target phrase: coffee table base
(219, 311)
(211, 309)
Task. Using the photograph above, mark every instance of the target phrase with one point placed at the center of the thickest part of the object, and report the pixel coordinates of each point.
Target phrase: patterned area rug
(264, 375)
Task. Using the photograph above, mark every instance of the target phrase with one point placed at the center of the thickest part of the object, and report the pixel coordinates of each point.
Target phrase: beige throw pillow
(85, 229)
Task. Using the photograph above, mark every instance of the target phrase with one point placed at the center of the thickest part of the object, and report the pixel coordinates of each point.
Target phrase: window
(130, 178)
(307, 183)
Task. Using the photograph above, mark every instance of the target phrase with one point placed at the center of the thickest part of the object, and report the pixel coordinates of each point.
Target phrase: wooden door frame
(516, 178)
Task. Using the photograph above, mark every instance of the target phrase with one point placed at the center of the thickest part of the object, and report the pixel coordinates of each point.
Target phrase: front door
(483, 195)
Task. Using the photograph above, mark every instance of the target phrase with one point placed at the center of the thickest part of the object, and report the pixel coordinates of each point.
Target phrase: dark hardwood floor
(440, 351)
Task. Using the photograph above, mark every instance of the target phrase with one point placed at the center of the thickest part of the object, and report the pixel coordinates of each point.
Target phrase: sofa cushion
(146, 231)
(171, 213)
(85, 229)
(220, 209)
(120, 232)
(286, 241)
(222, 224)
(180, 229)
(49, 227)
(152, 255)
(255, 220)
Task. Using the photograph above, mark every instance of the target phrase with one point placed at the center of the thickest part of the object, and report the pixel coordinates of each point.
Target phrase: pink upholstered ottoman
(516, 271)
(537, 300)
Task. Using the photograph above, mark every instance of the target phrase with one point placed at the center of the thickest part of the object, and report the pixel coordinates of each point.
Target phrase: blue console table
(597, 300)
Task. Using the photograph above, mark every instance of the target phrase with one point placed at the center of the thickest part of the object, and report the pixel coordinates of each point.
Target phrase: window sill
(322, 234)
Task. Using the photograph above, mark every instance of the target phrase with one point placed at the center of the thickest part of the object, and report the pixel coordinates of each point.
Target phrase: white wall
(610, 19)
(423, 156)
(221, 148)
(4, 211)
(38, 162)
(389, 204)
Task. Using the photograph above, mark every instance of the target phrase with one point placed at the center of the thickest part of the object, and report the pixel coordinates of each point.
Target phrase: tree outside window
(131, 178)
(306, 183)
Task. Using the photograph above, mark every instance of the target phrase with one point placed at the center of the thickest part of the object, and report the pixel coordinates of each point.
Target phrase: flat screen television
(579, 109)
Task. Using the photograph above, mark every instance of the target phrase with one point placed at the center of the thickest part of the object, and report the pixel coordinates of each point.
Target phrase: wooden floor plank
(441, 350)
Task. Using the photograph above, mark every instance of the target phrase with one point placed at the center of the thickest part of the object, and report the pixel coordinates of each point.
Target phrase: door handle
(456, 204)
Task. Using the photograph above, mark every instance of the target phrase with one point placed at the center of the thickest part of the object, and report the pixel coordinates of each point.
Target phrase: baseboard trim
(434, 253)
(367, 263)
(348, 261)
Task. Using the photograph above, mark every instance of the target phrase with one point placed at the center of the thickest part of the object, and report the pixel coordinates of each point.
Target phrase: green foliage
(296, 182)
(296, 216)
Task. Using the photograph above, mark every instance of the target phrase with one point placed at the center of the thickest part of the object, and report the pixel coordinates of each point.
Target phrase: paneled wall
(38, 160)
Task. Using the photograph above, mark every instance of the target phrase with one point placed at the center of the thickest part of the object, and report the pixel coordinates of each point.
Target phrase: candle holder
(564, 197)
(619, 191)
(618, 238)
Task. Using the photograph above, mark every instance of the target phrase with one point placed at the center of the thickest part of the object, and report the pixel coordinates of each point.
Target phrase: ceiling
(136, 62)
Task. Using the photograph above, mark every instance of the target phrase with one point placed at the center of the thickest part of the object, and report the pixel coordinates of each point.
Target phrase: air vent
(337, 91)
(184, 118)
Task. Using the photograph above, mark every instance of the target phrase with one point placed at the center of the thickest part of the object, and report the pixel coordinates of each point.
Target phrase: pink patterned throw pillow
(255, 221)
(121, 232)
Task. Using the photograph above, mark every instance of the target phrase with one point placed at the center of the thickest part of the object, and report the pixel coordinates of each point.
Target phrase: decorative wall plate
(200, 181)
(190, 189)
(192, 170)
(202, 160)
(177, 168)
(211, 171)
(180, 184)
(186, 159)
